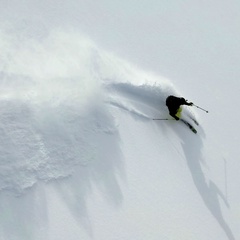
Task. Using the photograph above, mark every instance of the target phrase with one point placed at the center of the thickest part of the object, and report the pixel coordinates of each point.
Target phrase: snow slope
(81, 157)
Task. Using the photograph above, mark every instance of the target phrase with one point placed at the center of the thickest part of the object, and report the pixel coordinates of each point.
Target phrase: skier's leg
(179, 112)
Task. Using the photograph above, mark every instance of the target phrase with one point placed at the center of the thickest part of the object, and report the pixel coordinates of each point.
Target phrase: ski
(194, 120)
(189, 125)
(182, 120)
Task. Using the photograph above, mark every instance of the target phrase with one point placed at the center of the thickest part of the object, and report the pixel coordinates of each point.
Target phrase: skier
(174, 106)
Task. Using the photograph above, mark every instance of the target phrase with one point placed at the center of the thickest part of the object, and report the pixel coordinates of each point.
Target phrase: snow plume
(51, 108)
(53, 111)
(144, 100)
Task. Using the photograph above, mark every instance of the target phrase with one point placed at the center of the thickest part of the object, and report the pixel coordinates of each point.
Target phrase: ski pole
(162, 119)
(200, 108)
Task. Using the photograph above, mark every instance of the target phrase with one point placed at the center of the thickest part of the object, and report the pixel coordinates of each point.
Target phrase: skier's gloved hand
(190, 104)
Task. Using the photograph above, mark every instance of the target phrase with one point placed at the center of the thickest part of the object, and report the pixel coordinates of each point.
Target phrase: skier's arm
(187, 103)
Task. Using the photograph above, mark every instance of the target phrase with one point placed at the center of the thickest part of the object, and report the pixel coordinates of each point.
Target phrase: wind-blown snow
(81, 157)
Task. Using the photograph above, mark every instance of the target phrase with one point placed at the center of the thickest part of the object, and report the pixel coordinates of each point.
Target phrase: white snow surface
(81, 157)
